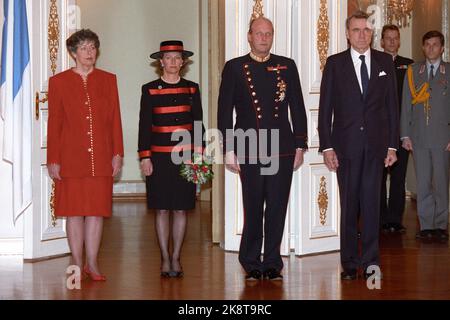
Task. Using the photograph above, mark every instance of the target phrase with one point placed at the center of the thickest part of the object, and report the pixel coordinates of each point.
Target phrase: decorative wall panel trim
(323, 34)
(446, 28)
(52, 205)
(322, 200)
(52, 228)
(258, 10)
(324, 213)
(53, 35)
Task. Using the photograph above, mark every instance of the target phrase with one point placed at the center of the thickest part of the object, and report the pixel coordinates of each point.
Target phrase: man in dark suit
(262, 88)
(358, 129)
(392, 209)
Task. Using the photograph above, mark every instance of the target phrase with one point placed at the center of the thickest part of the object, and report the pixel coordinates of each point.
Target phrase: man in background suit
(358, 130)
(425, 130)
(391, 210)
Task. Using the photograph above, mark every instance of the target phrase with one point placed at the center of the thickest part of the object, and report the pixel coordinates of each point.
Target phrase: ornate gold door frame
(446, 28)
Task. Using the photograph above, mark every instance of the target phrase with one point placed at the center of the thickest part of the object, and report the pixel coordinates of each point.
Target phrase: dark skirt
(166, 189)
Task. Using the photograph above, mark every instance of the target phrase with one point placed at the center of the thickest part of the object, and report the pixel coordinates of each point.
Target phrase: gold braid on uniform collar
(258, 59)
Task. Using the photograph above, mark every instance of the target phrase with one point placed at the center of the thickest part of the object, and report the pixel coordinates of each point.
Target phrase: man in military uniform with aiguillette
(425, 130)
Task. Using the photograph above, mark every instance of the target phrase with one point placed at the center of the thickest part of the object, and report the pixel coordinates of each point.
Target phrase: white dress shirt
(357, 64)
(435, 65)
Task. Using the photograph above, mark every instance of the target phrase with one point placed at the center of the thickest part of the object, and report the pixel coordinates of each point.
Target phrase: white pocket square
(382, 74)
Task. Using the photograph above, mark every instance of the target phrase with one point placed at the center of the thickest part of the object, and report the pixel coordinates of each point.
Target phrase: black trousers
(259, 222)
(392, 210)
(359, 182)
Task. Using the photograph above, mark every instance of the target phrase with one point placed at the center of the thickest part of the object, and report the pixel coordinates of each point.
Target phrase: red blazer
(84, 124)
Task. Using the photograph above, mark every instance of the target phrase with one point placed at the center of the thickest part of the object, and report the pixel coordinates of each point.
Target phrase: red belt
(175, 109)
(171, 129)
(188, 90)
(169, 149)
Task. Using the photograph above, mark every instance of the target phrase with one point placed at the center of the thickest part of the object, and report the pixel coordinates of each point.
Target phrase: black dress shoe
(349, 274)
(273, 274)
(398, 227)
(368, 274)
(358, 235)
(253, 275)
(440, 234)
(393, 228)
(425, 234)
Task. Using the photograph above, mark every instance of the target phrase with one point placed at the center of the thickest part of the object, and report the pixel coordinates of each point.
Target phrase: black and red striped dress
(166, 108)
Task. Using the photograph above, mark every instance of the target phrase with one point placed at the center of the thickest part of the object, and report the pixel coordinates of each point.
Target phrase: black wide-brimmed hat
(171, 46)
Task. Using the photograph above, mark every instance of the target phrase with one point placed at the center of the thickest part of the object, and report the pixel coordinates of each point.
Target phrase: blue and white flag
(16, 102)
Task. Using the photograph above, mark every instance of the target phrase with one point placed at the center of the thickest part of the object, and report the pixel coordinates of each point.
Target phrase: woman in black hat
(168, 105)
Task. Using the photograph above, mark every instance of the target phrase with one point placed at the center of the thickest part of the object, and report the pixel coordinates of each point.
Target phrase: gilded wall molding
(322, 201)
(52, 205)
(53, 35)
(53, 48)
(323, 34)
(446, 28)
(258, 10)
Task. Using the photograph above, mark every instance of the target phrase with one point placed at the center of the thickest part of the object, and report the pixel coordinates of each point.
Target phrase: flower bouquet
(199, 171)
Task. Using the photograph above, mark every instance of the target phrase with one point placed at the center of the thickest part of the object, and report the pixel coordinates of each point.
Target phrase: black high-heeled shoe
(176, 274)
(165, 274)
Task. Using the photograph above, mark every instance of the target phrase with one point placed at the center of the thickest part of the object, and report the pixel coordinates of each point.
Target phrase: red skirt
(84, 197)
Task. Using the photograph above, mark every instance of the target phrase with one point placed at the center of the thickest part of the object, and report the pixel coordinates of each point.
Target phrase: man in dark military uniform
(391, 210)
(262, 88)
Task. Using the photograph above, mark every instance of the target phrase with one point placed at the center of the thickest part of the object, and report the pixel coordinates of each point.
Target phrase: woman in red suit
(168, 105)
(84, 147)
